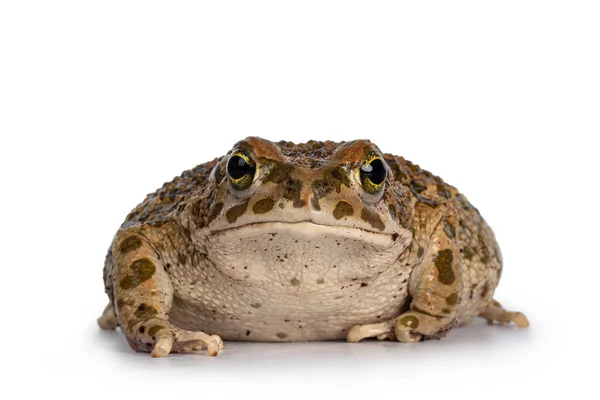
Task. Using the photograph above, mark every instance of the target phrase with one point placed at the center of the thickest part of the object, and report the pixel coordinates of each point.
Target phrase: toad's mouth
(305, 230)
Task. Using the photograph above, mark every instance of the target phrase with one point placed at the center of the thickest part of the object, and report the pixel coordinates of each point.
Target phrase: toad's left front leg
(434, 286)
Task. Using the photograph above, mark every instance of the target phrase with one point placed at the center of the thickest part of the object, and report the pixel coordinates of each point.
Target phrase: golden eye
(373, 173)
(241, 170)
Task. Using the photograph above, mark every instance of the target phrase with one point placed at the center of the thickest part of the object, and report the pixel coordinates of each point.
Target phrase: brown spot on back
(420, 252)
(372, 218)
(452, 299)
(281, 335)
(236, 211)
(130, 244)
(443, 263)
(449, 229)
(343, 209)
(263, 206)
(443, 191)
(215, 212)
(141, 270)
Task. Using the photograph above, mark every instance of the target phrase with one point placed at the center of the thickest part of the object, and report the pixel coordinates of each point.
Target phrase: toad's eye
(241, 170)
(372, 174)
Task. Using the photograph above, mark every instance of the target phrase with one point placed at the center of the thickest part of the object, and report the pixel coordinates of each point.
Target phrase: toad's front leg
(435, 285)
(143, 297)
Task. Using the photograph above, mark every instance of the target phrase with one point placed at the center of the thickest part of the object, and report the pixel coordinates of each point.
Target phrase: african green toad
(300, 242)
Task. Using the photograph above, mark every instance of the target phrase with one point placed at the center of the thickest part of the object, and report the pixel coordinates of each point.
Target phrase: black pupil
(375, 171)
(237, 167)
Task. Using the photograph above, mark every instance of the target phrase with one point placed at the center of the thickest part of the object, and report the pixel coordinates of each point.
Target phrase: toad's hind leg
(496, 313)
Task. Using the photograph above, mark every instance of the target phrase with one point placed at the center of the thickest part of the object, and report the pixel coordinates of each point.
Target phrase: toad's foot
(108, 319)
(162, 338)
(409, 327)
(496, 313)
(382, 330)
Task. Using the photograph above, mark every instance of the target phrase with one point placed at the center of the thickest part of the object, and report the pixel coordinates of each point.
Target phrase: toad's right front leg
(143, 296)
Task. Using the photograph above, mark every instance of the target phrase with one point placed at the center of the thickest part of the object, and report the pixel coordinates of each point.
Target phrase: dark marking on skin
(343, 209)
(486, 289)
(255, 305)
(320, 189)
(372, 218)
(263, 206)
(449, 229)
(443, 191)
(196, 209)
(320, 281)
(236, 211)
(428, 202)
(279, 173)
(295, 281)
(130, 244)
(452, 299)
(145, 312)
(445, 310)
(420, 252)
(219, 175)
(215, 212)
(485, 252)
(142, 329)
(410, 321)
(468, 253)
(247, 333)
(142, 270)
(416, 187)
(393, 212)
(443, 263)
(155, 329)
(364, 284)
(281, 335)
(340, 177)
(292, 189)
(332, 179)
(299, 203)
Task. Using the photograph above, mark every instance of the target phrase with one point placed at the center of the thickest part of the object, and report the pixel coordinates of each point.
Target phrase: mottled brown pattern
(445, 272)
(158, 207)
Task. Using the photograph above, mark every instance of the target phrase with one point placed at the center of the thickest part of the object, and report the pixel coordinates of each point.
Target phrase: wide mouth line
(308, 223)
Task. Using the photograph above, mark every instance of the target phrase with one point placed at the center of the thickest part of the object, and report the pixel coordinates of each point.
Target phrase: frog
(285, 242)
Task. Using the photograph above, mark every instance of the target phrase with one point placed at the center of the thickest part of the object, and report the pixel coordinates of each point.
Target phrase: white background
(102, 102)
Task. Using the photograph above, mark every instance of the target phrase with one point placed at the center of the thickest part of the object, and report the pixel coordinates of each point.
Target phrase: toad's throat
(306, 230)
(300, 257)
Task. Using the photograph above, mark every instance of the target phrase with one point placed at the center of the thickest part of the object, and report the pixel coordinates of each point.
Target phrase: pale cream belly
(326, 311)
(291, 282)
